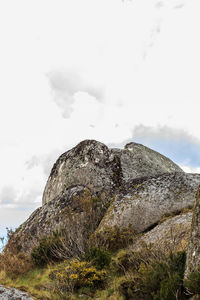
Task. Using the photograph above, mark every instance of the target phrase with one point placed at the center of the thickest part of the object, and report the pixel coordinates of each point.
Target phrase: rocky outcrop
(92, 186)
(143, 202)
(94, 165)
(193, 253)
(90, 163)
(13, 294)
(139, 161)
(171, 235)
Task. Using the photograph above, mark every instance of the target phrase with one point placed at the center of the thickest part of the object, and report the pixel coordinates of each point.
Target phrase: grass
(35, 282)
(145, 274)
(119, 286)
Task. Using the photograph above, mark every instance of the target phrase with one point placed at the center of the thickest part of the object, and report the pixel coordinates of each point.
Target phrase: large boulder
(13, 294)
(90, 163)
(143, 202)
(139, 161)
(193, 253)
(94, 165)
(170, 235)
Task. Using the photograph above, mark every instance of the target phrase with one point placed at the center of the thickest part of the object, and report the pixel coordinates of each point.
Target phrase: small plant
(113, 238)
(125, 260)
(73, 275)
(163, 279)
(12, 245)
(47, 251)
(159, 279)
(192, 283)
(99, 257)
(15, 265)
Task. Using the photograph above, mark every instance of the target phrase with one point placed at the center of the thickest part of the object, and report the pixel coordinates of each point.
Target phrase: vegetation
(192, 283)
(162, 278)
(73, 275)
(107, 269)
(99, 257)
(113, 238)
(47, 251)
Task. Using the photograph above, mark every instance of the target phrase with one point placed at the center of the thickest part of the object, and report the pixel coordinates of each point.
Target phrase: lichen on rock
(94, 165)
(90, 163)
(92, 186)
(142, 203)
(74, 210)
(171, 235)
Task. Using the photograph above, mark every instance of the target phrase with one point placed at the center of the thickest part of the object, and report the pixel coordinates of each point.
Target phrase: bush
(15, 265)
(73, 275)
(47, 251)
(80, 220)
(126, 288)
(127, 260)
(113, 238)
(99, 257)
(161, 279)
(12, 245)
(192, 283)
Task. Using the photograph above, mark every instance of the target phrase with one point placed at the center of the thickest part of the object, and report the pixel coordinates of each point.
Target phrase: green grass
(35, 282)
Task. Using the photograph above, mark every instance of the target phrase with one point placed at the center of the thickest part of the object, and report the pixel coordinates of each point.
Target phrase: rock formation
(193, 253)
(92, 186)
(92, 164)
(13, 294)
(171, 235)
(57, 214)
(142, 203)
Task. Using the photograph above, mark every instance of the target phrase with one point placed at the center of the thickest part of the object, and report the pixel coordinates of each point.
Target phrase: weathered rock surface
(141, 184)
(171, 235)
(90, 163)
(140, 161)
(57, 214)
(193, 253)
(143, 202)
(13, 294)
(94, 165)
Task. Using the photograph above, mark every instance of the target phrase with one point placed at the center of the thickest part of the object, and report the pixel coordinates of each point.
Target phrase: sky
(117, 71)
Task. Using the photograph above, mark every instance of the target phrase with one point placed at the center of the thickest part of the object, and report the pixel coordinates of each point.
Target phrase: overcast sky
(111, 70)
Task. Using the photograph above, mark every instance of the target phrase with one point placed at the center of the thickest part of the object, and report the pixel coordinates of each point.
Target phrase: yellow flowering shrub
(75, 274)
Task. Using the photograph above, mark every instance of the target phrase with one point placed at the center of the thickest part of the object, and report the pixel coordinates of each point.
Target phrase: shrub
(127, 260)
(73, 275)
(161, 279)
(99, 257)
(15, 265)
(80, 221)
(192, 283)
(47, 251)
(126, 288)
(113, 238)
(12, 245)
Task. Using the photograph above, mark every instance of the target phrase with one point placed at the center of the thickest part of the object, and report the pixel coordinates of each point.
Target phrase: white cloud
(7, 194)
(188, 169)
(66, 84)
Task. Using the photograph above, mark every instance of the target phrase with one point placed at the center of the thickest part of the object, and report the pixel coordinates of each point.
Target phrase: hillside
(108, 215)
